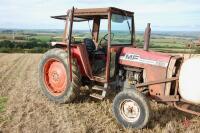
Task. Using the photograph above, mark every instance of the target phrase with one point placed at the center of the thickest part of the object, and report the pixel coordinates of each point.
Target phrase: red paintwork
(80, 53)
(146, 54)
(55, 77)
(153, 72)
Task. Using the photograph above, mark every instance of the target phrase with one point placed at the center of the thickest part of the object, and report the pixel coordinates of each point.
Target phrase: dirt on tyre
(131, 109)
(54, 76)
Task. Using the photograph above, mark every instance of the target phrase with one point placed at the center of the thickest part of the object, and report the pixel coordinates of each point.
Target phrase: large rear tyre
(54, 76)
(131, 109)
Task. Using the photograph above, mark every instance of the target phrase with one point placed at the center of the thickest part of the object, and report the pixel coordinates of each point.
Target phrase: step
(99, 79)
(97, 96)
(98, 88)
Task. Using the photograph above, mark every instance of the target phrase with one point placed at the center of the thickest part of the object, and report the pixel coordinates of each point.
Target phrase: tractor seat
(91, 48)
(97, 57)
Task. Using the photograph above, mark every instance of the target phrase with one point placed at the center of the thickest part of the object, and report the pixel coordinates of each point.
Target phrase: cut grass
(3, 101)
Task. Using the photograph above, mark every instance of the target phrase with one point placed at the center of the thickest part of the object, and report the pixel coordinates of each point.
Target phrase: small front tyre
(131, 109)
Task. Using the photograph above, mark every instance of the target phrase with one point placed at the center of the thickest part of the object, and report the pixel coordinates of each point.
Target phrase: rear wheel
(54, 76)
(131, 109)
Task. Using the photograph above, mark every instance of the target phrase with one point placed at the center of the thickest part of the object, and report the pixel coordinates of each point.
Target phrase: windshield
(121, 29)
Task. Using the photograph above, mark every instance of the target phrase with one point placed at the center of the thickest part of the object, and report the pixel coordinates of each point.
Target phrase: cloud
(161, 6)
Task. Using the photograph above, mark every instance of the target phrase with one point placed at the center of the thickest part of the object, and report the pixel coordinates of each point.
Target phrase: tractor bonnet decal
(137, 58)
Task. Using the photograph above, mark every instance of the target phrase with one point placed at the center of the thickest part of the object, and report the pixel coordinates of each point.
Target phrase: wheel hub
(129, 110)
(55, 76)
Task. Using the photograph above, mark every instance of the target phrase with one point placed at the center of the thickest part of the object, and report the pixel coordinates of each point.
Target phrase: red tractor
(110, 60)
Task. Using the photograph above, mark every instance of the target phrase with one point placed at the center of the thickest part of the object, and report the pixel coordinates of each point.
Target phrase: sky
(164, 15)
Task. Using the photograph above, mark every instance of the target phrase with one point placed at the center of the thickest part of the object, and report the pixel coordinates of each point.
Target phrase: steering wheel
(104, 39)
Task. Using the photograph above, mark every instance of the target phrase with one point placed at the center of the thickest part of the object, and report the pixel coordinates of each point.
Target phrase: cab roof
(91, 13)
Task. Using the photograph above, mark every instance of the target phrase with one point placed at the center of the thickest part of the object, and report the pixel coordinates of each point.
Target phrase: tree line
(32, 46)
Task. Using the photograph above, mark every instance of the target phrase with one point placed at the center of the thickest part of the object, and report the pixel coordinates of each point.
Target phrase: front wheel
(131, 109)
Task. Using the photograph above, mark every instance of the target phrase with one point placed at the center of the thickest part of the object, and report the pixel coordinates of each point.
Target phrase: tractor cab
(95, 38)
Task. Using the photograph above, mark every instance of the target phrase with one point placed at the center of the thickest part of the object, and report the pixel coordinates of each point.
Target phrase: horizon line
(104, 30)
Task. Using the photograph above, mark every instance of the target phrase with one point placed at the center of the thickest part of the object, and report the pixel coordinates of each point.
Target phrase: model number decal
(136, 58)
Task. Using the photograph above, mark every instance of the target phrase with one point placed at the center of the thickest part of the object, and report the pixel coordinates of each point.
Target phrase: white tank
(189, 80)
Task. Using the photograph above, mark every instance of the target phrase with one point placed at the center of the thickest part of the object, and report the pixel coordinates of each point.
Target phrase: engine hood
(138, 57)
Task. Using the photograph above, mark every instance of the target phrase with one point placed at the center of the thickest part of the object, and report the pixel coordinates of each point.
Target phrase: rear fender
(79, 52)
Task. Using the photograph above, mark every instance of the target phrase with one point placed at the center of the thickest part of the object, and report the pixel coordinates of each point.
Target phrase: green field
(160, 41)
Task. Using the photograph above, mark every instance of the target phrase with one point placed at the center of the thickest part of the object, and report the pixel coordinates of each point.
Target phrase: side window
(82, 30)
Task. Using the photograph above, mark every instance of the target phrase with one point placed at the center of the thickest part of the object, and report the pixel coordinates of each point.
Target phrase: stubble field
(27, 110)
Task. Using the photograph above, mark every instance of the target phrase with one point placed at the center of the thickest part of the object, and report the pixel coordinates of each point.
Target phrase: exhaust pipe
(147, 35)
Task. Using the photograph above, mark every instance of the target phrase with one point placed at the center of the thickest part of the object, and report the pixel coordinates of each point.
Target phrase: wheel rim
(129, 110)
(55, 76)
